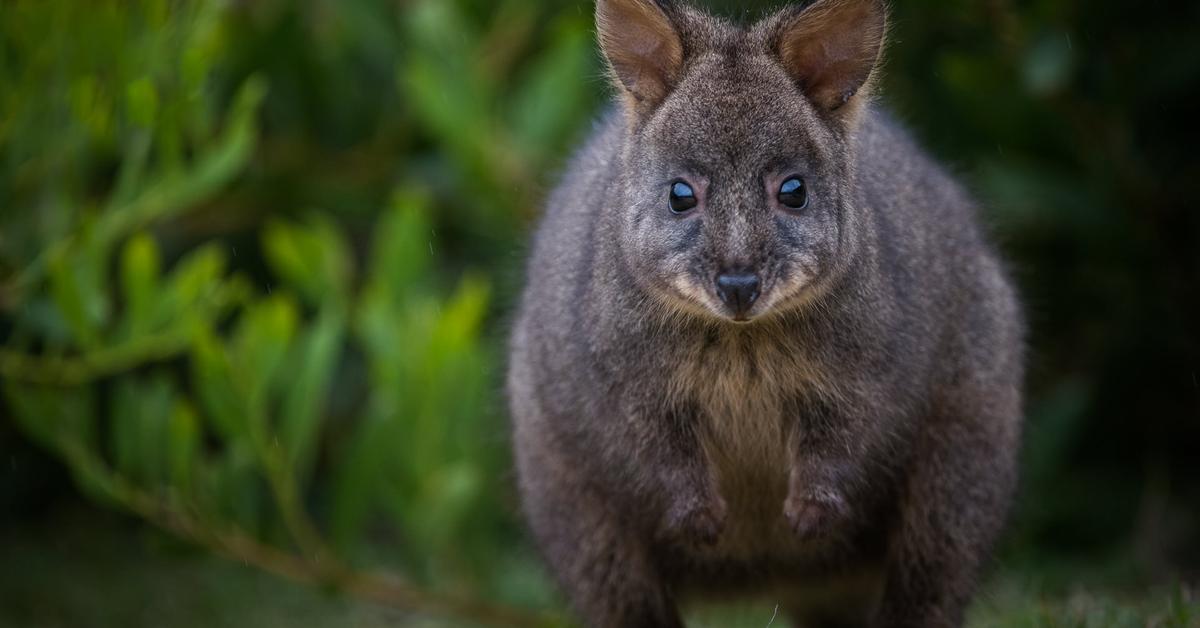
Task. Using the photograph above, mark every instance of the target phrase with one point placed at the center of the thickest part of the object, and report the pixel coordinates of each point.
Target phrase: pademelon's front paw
(814, 513)
(695, 520)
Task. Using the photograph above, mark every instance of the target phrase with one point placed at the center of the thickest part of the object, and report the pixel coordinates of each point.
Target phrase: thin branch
(382, 588)
(74, 371)
(287, 499)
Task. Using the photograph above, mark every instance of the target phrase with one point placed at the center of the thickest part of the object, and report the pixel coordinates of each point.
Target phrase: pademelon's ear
(643, 49)
(831, 47)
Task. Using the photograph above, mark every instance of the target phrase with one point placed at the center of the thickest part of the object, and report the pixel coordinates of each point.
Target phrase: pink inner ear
(641, 65)
(831, 52)
(641, 45)
(644, 42)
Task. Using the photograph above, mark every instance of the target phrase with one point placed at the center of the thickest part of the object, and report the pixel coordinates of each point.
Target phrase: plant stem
(75, 371)
(379, 587)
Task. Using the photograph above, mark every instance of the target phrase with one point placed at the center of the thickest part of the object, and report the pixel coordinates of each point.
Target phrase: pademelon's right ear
(643, 48)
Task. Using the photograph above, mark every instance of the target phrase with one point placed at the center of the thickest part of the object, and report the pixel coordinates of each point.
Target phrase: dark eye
(682, 198)
(793, 194)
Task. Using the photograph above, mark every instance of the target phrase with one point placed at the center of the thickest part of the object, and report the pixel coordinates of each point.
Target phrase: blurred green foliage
(256, 257)
(197, 349)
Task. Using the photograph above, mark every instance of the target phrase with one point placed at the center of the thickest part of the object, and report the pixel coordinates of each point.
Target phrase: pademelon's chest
(745, 393)
(746, 396)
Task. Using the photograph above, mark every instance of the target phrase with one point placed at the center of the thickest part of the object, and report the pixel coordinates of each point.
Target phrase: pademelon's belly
(747, 395)
(758, 555)
(746, 450)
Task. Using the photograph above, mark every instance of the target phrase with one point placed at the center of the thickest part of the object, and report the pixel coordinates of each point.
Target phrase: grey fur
(849, 451)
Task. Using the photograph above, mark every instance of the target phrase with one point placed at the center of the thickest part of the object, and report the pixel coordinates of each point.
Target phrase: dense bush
(255, 261)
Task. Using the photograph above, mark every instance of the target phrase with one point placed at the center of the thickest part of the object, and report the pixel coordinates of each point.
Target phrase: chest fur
(745, 389)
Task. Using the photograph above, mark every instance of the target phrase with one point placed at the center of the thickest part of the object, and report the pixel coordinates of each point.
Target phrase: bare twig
(382, 588)
(74, 371)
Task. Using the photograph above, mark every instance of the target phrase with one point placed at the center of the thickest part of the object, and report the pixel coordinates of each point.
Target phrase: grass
(103, 572)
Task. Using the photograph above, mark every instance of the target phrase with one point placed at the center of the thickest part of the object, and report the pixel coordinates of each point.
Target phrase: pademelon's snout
(738, 290)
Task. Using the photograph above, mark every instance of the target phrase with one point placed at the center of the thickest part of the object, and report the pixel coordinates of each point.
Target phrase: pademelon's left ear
(831, 47)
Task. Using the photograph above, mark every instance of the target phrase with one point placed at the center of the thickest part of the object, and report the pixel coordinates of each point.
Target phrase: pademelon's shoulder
(887, 146)
(564, 243)
(592, 166)
(583, 187)
(901, 180)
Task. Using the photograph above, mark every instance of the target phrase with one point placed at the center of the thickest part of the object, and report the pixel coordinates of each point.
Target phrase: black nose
(738, 290)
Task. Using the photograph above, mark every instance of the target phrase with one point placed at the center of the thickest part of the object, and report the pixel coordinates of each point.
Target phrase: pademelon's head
(736, 178)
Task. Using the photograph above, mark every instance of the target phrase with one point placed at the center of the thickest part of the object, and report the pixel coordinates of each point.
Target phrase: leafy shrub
(279, 391)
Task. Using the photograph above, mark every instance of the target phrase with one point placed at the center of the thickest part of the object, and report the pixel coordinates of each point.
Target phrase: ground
(112, 573)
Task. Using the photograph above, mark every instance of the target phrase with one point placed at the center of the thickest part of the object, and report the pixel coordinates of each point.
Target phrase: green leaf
(142, 411)
(545, 108)
(157, 398)
(140, 268)
(238, 487)
(359, 473)
(78, 288)
(460, 323)
(313, 258)
(194, 280)
(92, 106)
(315, 356)
(450, 107)
(401, 250)
(449, 377)
(69, 299)
(141, 102)
(213, 378)
(183, 445)
(260, 345)
(213, 169)
(133, 166)
(123, 437)
(441, 84)
(446, 499)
